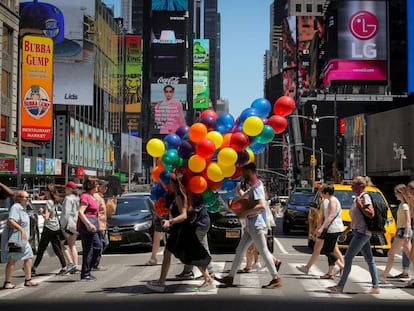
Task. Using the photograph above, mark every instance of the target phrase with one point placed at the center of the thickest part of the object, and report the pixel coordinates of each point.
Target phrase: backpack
(377, 223)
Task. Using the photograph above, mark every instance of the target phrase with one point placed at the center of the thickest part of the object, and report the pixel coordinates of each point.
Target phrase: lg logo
(364, 26)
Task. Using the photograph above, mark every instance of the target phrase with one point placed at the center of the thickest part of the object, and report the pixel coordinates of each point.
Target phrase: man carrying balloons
(256, 227)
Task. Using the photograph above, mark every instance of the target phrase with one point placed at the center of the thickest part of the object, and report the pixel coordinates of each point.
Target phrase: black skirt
(184, 244)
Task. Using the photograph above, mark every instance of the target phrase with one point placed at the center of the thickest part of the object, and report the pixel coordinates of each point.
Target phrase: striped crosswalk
(129, 280)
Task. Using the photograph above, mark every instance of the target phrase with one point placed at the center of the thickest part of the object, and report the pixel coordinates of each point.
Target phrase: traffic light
(313, 160)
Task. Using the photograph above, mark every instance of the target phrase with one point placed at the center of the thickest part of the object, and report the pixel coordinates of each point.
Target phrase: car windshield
(301, 199)
(347, 197)
(132, 205)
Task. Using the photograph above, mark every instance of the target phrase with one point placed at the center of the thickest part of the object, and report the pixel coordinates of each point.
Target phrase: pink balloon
(284, 106)
(278, 123)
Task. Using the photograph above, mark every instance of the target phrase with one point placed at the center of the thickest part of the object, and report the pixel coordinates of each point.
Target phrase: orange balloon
(197, 132)
(159, 163)
(155, 174)
(226, 140)
(198, 184)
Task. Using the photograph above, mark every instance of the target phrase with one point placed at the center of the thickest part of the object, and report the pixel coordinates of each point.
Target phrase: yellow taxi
(345, 195)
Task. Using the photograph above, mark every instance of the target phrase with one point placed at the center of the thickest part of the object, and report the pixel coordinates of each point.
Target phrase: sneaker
(89, 278)
(155, 286)
(302, 269)
(185, 275)
(99, 268)
(227, 280)
(70, 267)
(206, 286)
(61, 272)
(75, 271)
(275, 283)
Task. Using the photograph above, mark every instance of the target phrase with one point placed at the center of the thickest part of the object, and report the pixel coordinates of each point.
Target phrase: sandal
(30, 283)
(9, 285)
(151, 262)
(245, 270)
(327, 276)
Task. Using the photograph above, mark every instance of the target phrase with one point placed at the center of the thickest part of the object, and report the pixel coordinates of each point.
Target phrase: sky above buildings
(245, 31)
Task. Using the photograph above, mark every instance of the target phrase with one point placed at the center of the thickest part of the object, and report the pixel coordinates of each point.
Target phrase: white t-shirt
(337, 225)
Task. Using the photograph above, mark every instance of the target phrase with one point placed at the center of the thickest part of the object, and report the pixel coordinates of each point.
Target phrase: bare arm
(257, 209)
(7, 190)
(13, 224)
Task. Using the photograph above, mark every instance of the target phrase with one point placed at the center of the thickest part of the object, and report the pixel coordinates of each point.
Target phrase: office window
(298, 7)
(7, 40)
(320, 8)
(309, 7)
(5, 83)
(5, 128)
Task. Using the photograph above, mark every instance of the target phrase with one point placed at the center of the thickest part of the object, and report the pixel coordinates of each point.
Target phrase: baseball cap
(70, 184)
(103, 182)
(48, 20)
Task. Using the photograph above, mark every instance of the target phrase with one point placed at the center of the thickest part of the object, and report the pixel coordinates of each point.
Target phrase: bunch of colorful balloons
(211, 152)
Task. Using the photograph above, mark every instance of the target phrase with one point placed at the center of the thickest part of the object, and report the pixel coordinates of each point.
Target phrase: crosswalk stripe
(388, 291)
(315, 286)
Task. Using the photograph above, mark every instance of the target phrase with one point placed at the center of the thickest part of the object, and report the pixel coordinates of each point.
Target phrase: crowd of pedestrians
(186, 231)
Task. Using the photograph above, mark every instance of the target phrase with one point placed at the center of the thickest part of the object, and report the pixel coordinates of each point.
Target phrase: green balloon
(266, 136)
(170, 158)
(210, 201)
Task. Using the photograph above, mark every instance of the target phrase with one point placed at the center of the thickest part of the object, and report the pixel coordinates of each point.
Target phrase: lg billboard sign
(364, 26)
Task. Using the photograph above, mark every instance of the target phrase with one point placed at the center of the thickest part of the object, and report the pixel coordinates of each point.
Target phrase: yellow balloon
(216, 137)
(196, 164)
(228, 170)
(251, 155)
(155, 147)
(227, 156)
(214, 172)
(253, 126)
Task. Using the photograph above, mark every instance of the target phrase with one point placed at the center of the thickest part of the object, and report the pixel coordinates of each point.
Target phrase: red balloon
(210, 113)
(198, 184)
(239, 141)
(238, 173)
(206, 148)
(214, 186)
(278, 124)
(284, 106)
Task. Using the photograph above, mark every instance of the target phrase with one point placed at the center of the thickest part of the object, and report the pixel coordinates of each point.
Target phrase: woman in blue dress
(17, 224)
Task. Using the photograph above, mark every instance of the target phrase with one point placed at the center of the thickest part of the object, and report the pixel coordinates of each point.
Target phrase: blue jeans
(91, 248)
(359, 243)
(258, 236)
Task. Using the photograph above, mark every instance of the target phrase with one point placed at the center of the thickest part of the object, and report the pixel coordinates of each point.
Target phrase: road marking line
(315, 286)
(280, 246)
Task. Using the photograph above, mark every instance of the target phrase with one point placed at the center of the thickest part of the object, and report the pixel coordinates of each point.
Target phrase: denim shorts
(401, 232)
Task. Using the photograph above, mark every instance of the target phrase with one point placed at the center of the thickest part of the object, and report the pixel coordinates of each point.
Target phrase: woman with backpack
(404, 232)
(361, 236)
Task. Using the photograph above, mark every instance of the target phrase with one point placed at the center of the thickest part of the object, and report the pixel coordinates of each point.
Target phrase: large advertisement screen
(410, 45)
(201, 66)
(131, 149)
(169, 5)
(168, 42)
(70, 24)
(168, 104)
(306, 33)
(362, 34)
(36, 88)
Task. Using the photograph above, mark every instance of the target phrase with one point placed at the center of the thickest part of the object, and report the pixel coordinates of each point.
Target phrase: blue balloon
(165, 177)
(172, 141)
(158, 191)
(225, 123)
(263, 106)
(257, 148)
(228, 184)
(246, 113)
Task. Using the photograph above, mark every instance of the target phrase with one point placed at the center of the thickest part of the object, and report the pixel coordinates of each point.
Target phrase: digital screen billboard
(410, 45)
(168, 42)
(306, 33)
(169, 5)
(201, 73)
(168, 104)
(289, 42)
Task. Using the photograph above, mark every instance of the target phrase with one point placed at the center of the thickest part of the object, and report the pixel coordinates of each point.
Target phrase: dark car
(132, 224)
(297, 210)
(226, 229)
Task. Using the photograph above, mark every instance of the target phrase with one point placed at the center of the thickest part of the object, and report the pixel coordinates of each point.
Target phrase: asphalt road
(122, 286)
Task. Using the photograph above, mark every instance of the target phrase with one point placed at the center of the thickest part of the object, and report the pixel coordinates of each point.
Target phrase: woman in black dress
(182, 241)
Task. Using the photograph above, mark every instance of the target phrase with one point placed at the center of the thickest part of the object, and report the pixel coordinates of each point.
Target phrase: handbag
(93, 220)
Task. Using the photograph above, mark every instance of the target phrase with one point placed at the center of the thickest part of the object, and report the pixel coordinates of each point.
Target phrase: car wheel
(311, 243)
(286, 228)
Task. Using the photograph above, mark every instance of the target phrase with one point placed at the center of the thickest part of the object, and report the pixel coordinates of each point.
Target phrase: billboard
(168, 42)
(132, 82)
(168, 102)
(289, 42)
(70, 24)
(36, 88)
(131, 149)
(410, 46)
(306, 33)
(361, 28)
(169, 5)
(201, 73)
